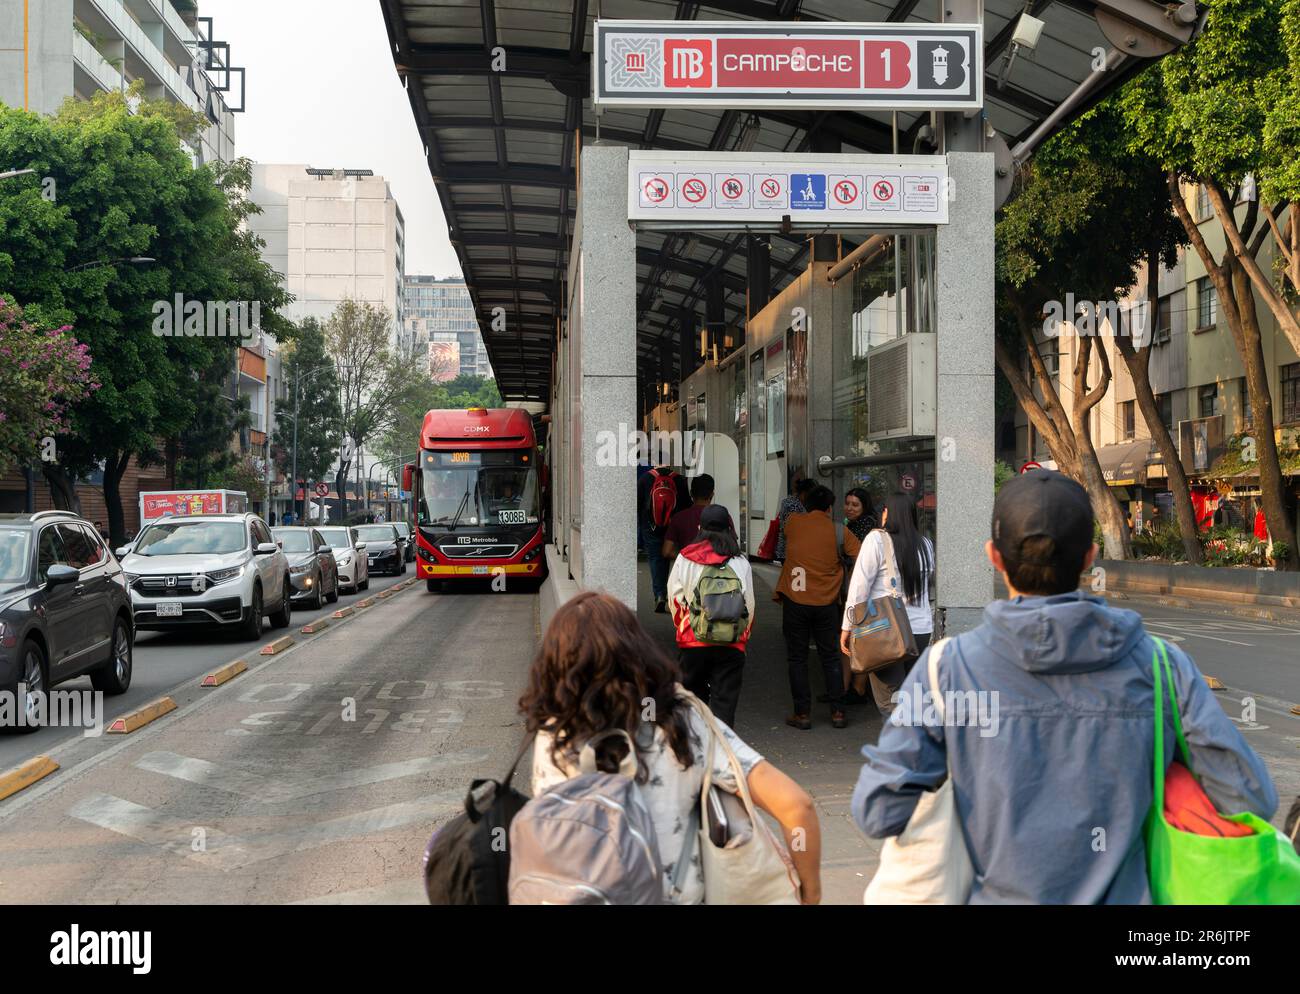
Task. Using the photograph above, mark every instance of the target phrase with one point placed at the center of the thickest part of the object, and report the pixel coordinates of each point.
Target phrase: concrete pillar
(608, 373)
(965, 442)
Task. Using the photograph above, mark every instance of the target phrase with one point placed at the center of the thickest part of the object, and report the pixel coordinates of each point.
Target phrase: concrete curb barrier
(315, 626)
(364, 604)
(557, 588)
(343, 612)
(279, 645)
(224, 674)
(26, 774)
(1251, 588)
(385, 594)
(141, 716)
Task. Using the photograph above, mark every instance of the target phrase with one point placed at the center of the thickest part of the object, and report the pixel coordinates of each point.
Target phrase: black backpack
(467, 861)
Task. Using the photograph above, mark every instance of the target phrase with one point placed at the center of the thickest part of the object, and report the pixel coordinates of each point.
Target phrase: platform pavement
(825, 761)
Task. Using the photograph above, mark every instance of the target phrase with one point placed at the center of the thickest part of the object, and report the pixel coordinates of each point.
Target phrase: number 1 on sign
(884, 57)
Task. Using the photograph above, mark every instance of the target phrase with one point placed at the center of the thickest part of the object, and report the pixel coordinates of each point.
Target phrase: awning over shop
(1125, 464)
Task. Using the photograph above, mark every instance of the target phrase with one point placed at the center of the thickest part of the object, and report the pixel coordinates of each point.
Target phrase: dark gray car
(313, 571)
(64, 610)
(385, 548)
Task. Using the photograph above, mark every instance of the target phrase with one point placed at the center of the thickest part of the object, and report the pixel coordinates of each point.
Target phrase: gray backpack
(588, 840)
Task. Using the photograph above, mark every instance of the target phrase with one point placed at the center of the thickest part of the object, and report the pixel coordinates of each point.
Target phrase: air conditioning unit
(901, 388)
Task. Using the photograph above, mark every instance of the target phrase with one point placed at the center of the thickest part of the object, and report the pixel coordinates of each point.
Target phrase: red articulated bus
(477, 496)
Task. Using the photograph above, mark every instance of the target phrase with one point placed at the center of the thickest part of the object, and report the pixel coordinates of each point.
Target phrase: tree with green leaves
(467, 390)
(313, 384)
(1223, 113)
(124, 188)
(400, 443)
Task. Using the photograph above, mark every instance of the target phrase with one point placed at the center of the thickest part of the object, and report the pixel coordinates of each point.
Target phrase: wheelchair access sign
(839, 190)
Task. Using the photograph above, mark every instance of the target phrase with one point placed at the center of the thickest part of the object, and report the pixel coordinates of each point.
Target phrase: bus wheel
(433, 586)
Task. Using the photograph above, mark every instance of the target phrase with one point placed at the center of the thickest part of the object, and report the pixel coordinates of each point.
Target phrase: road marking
(1201, 635)
(231, 852)
(273, 789)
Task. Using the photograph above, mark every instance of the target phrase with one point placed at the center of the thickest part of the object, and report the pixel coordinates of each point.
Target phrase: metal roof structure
(502, 146)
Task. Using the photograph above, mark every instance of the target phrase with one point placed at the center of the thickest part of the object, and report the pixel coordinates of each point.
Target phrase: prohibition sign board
(656, 189)
(882, 190)
(732, 188)
(845, 191)
(771, 188)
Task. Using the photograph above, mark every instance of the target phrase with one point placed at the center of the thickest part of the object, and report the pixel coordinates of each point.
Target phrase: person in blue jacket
(1050, 732)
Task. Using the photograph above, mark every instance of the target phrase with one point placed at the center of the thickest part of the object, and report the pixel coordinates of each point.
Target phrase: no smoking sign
(693, 190)
(846, 193)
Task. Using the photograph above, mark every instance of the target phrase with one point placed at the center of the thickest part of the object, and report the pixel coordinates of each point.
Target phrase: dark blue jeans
(652, 540)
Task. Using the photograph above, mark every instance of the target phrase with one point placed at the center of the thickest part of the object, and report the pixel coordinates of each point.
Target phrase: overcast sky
(322, 91)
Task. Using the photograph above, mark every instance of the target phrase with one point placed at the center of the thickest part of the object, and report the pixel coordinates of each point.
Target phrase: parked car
(385, 548)
(312, 570)
(209, 569)
(64, 609)
(350, 557)
(404, 530)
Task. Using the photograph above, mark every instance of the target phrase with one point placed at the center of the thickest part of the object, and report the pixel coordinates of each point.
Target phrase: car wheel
(364, 584)
(433, 586)
(114, 677)
(333, 595)
(282, 617)
(253, 620)
(319, 600)
(402, 571)
(32, 675)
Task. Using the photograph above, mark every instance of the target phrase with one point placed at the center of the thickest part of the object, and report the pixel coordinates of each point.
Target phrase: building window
(1290, 377)
(1128, 420)
(1164, 320)
(1207, 400)
(1207, 304)
(1243, 395)
(1165, 402)
(1204, 209)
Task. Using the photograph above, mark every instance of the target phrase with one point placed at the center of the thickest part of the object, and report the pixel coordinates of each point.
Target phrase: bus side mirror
(408, 476)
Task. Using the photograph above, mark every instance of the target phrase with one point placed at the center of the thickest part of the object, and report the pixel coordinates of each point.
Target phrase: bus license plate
(480, 571)
(513, 518)
(170, 609)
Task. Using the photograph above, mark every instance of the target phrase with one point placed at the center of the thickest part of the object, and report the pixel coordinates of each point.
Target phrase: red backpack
(663, 498)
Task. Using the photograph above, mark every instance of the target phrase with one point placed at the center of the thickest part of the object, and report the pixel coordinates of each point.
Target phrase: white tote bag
(928, 863)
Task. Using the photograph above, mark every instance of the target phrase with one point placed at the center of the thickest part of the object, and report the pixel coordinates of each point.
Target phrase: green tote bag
(1184, 868)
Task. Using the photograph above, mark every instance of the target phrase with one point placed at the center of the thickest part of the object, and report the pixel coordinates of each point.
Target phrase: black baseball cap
(1042, 504)
(715, 518)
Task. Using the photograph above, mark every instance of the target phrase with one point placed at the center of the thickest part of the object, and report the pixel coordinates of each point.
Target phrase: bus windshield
(479, 488)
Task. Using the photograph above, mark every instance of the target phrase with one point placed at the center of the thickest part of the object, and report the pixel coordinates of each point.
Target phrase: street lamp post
(135, 260)
(297, 396)
(17, 172)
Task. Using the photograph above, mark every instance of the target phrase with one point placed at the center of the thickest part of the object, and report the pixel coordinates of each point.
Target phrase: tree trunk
(1138, 362)
(63, 489)
(115, 464)
(1110, 517)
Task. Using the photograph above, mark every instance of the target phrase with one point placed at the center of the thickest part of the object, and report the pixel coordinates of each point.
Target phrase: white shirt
(870, 580)
(669, 792)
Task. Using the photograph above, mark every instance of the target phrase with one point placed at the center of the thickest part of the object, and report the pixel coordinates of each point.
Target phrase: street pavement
(317, 776)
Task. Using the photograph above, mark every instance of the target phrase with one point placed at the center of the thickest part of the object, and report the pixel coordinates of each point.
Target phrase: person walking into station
(660, 494)
(598, 670)
(913, 564)
(711, 596)
(1052, 761)
(809, 592)
(791, 503)
(685, 524)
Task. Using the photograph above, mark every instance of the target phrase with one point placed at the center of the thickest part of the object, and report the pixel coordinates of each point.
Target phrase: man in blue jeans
(651, 535)
(1050, 733)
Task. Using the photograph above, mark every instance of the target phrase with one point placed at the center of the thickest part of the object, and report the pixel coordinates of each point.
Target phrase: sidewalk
(824, 761)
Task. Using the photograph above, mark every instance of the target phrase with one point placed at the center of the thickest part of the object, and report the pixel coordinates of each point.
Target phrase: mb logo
(689, 63)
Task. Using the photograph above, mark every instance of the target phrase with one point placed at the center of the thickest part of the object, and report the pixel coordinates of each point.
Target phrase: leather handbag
(927, 863)
(882, 633)
(750, 866)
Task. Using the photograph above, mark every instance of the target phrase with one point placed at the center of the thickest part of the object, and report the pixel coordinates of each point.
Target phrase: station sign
(740, 64)
(755, 187)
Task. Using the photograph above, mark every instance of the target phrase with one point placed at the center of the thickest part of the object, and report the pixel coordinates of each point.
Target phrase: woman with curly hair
(598, 669)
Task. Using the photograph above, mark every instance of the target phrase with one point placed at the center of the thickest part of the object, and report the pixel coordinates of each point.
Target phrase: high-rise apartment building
(333, 234)
(440, 312)
(55, 49)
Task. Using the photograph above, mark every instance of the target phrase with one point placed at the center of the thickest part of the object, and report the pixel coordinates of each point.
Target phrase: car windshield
(403, 529)
(179, 538)
(14, 554)
(336, 537)
(375, 533)
(292, 540)
(482, 488)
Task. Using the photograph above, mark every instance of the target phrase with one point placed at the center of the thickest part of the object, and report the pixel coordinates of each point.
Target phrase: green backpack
(718, 610)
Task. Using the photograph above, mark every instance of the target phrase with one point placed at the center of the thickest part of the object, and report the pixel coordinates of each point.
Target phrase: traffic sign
(1030, 465)
(908, 482)
(322, 489)
(907, 66)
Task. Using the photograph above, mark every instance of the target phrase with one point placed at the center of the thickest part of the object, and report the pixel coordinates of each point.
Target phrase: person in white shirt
(914, 567)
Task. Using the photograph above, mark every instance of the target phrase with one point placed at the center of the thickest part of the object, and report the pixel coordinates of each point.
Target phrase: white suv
(222, 569)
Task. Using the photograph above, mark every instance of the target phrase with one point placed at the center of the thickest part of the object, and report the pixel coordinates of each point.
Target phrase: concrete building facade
(442, 311)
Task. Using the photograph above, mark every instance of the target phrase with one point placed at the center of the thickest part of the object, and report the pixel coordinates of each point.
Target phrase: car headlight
(222, 575)
(130, 578)
(344, 560)
(304, 568)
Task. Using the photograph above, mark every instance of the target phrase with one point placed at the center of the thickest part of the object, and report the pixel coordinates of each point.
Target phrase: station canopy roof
(502, 145)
